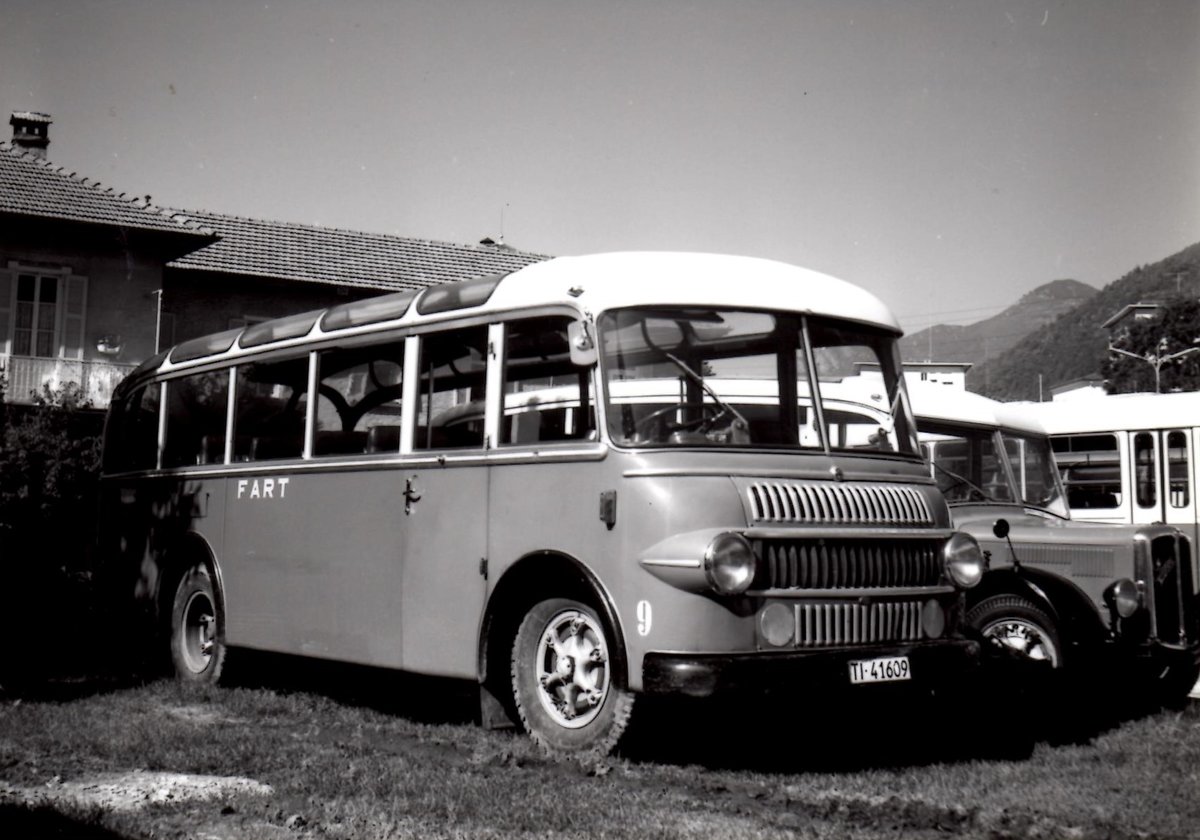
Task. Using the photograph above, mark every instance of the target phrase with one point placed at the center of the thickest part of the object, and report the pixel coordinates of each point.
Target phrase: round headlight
(1126, 598)
(964, 560)
(729, 563)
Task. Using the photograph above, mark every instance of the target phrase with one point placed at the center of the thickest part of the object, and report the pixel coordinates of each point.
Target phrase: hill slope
(986, 339)
(1074, 344)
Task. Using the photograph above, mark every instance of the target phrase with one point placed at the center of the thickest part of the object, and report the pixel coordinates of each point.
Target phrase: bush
(49, 471)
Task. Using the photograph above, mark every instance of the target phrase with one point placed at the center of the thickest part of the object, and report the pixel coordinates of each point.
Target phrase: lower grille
(831, 625)
(847, 564)
(1175, 619)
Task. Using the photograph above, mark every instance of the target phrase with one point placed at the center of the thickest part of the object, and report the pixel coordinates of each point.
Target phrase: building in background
(93, 281)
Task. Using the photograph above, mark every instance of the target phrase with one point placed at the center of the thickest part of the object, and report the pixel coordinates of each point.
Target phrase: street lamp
(1157, 360)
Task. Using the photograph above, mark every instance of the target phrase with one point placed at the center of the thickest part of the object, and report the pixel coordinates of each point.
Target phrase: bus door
(442, 502)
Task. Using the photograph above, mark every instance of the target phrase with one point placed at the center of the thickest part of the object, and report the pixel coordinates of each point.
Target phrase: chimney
(31, 132)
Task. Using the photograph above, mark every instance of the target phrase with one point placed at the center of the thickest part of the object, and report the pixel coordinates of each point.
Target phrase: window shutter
(74, 309)
(6, 293)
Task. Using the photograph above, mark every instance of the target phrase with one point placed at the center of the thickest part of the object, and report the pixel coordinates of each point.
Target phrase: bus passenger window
(546, 397)
(1177, 466)
(453, 367)
(196, 409)
(272, 399)
(358, 399)
(1090, 469)
(132, 441)
(1145, 478)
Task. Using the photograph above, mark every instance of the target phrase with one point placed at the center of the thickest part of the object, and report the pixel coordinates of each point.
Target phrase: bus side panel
(314, 563)
(146, 523)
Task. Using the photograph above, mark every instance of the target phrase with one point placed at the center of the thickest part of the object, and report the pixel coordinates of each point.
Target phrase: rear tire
(197, 629)
(566, 691)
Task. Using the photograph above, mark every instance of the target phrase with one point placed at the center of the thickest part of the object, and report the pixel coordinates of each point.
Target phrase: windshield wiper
(699, 380)
(961, 479)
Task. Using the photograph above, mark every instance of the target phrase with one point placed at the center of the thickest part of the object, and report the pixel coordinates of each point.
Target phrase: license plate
(885, 669)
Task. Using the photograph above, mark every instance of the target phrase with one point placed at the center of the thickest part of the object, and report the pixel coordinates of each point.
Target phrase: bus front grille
(826, 503)
(834, 625)
(847, 564)
(1175, 618)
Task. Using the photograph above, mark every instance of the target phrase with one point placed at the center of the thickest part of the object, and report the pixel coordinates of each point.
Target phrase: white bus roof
(943, 403)
(647, 278)
(1116, 412)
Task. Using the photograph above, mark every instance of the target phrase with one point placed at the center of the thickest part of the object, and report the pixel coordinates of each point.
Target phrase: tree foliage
(1158, 341)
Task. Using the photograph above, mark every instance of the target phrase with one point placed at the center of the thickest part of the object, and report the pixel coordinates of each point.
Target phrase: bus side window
(196, 409)
(450, 411)
(1091, 470)
(1145, 474)
(272, 399)
(358, 399)
(546, 397)
(132, 442)
(1177, 468)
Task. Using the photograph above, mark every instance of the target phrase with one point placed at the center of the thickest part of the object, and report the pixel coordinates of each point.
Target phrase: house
(953, 374)
(93, 281)
(79, 268)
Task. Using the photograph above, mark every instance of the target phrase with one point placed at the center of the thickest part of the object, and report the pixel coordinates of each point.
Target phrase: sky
(948, 156)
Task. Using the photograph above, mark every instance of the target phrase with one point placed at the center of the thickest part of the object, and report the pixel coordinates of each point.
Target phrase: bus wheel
(196, 632)
(1019, 625)
(566, 692)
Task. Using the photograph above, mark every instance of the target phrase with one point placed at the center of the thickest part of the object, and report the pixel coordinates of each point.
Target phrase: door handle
(411, 496)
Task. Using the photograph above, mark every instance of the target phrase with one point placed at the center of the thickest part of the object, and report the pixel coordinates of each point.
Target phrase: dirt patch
(133, 791)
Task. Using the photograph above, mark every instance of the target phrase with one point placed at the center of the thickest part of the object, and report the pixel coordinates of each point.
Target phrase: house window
(42, 313)
(37, 306)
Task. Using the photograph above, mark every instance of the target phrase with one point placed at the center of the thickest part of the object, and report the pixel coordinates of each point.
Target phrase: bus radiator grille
(834, 625)
(847, 564)
(824, 503)
(1175, 619)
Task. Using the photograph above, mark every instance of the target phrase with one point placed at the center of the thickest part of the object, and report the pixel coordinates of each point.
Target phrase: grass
(385, 757)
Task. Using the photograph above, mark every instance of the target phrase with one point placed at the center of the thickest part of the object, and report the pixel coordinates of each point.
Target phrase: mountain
(990, 337)
(1074, 344)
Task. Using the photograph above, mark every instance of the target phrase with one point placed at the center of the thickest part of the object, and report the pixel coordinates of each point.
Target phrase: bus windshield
(989, 465)
(747, 378)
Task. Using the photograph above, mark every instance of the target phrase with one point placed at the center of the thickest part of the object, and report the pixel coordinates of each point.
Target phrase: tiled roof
(33, 187)
(314, 254)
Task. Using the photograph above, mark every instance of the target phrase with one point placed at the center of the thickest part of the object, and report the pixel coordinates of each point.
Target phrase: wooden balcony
(26, 375)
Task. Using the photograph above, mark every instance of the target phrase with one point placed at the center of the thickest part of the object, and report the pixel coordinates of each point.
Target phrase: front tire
(197, 629)
(567, 692)
(1018, 625)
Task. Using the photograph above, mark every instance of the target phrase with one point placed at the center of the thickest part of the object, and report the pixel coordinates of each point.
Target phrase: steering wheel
(708, 413)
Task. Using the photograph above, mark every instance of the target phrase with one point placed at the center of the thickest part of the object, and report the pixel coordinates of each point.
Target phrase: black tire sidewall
(599, 735)
(196, 580)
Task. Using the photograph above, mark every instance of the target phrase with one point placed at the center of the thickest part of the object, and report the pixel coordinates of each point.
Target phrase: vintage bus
(354, 484)
(1112, 599)
(1128, 457)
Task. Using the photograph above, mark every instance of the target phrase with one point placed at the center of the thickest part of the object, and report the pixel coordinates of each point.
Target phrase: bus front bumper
(703, 675)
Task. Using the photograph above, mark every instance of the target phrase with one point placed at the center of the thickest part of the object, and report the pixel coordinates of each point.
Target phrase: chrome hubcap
(199, 631)
(572, 669)
(1025, 637)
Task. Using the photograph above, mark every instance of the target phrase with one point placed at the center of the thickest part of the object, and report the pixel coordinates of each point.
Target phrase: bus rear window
(196, 409)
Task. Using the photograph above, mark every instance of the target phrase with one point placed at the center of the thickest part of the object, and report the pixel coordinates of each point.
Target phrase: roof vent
(31, 132)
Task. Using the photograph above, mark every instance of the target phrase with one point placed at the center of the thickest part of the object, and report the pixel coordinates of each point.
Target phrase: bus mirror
(583, 347)
(1000, 529)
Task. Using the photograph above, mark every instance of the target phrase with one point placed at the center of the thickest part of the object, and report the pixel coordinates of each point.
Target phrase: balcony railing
(26, 375)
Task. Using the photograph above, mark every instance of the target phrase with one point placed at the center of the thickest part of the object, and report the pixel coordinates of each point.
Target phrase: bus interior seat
(212, 450)
(330, 442)
(280, 446)
(383, 439)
